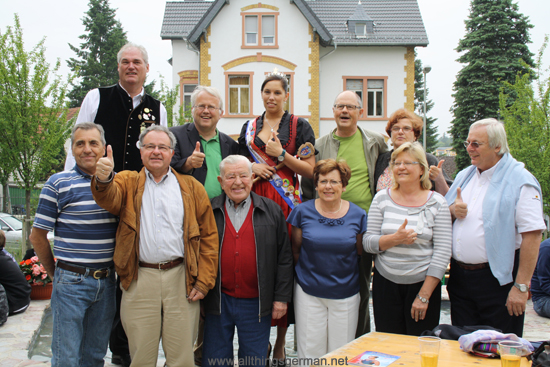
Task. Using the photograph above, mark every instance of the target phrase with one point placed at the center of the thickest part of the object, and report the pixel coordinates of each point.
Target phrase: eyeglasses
(331, 182)
(202, 107)
(242, 176)
(406, 129)
(407, 164)
(151, 147)
(474, 144)
(350, 107)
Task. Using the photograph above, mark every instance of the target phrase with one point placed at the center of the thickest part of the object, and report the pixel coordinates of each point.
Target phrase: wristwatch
(523, 288)
(422, 299)
(282, 156)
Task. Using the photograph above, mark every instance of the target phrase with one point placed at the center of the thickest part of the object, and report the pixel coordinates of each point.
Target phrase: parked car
(13, 228)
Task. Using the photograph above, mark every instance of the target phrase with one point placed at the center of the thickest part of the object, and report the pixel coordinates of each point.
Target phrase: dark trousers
(365, 271)
(118, 341)
(392, 305)
(477, 298)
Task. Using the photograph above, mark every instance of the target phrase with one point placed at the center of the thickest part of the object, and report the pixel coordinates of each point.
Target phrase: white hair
(234, 159)
(495, 132)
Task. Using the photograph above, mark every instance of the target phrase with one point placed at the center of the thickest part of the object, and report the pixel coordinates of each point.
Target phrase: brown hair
(2, 239)
(328, 165)
(271, 77)
(405, 114)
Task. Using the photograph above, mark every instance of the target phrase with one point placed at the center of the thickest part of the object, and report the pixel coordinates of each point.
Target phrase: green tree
(431, 128)
(492, 52)
(169, 98)
(33, 123)
(95, 64)
(527, 122)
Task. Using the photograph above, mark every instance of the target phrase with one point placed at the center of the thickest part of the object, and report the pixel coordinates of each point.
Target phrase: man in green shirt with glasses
(200, 147)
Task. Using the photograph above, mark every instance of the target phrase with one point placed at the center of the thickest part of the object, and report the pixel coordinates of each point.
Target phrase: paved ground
(19, 331)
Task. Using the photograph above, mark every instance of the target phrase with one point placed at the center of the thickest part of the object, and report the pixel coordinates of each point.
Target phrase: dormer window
(360, 29)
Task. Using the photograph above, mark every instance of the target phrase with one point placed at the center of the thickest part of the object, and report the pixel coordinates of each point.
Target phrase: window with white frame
(375, 97)
(239, 94)
(268, 30)
(260, 30)
(355, 85)
(372, 91)
(251, 30)
(360, 29)
(187, 91)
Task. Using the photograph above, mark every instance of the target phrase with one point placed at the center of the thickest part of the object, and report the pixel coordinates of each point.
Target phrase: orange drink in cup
(510, 353)
(429, 350)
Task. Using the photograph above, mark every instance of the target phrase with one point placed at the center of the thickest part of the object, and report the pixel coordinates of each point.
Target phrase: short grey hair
(495, 132)
(356, 95)
(234, 159)
(210, 90)
(88, 126)
(129, 45)
(160, 128)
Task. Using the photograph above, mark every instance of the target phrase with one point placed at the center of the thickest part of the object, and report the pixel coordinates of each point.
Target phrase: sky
(142, 20)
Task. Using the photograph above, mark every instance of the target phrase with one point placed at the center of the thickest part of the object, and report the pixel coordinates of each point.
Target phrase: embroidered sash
(284, 179)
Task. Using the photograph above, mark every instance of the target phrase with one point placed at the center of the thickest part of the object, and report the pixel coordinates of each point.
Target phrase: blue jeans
(83, 309)
(542, 306)
(253, 333)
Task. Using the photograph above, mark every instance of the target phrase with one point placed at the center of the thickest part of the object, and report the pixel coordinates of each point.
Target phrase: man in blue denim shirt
(83, 298)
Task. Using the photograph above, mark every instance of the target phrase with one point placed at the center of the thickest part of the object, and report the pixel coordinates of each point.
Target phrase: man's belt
(96, 273)
(471, 266)
(165, 265)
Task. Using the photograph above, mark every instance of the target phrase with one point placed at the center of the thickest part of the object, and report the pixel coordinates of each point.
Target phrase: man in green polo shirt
(344, 142)
(200, 147)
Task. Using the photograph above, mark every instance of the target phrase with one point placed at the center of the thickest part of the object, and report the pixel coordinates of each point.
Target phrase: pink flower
(34, 259)
(44, 276)
(36, 270)
(42, 269)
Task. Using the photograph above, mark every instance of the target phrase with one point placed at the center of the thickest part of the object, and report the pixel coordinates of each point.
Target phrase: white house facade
(324, 47)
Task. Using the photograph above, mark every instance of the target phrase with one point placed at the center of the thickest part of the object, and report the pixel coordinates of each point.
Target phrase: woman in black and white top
(409, 230)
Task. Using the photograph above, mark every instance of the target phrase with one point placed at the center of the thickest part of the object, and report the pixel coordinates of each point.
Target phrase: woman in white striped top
(409, 230)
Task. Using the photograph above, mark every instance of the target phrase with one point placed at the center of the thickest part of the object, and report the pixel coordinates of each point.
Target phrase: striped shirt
(84, 232)
(431, 252)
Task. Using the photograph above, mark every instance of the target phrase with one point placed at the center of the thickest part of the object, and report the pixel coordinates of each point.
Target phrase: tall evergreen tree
(495, 43)
(95, 64)
(431, 129)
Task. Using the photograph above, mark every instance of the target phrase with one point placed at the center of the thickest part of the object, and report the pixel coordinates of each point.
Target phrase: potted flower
(38, 278)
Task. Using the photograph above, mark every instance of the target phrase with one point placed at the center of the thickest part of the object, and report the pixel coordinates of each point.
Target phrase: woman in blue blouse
(326, 244)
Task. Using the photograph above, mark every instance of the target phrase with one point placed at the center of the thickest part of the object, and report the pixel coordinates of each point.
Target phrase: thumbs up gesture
(405, 236)
(436, 171)
(105, 165)
(196, 159)
(273, 147)
(461, 208)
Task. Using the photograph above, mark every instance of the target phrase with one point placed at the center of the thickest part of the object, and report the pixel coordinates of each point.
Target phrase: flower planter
(40, 291)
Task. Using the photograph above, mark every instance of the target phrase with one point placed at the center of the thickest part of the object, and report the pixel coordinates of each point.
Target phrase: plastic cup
(429, 350)
(510, 353)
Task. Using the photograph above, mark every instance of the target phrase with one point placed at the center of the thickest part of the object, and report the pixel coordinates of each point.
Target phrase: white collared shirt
(161, 223)
(88, 112)
(469, 234)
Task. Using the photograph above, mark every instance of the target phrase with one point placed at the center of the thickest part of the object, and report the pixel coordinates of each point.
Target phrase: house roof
(359, 13)
(181, 17)
(396, 22)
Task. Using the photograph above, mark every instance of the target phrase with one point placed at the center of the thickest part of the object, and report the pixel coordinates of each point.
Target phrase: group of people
(193, 222)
